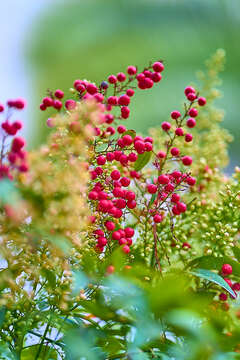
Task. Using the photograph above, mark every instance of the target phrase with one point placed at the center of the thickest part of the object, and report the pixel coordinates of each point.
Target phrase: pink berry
(158, 66)
(166, 126)
(193, 112)
(148, 146)
(156, 77)
(116, 235)
(139, 146)
(110, 225)
(125, 112)
(112, 100)
(19, 104)
(124, 100)
(223, 297)
(148, 83)
(169, 188)
(191, 181)
(163, 179)
(102, 241)
(117, 155)
(47, 101)
(130, 92)
(125, 181)
(152, 189)
(161, 154)
(140, 77)
(112, 79)
(175, 151)
(126, 249)
(59, 94)
(110, 156)
(132, 157)
(175, 114)
(101, 160)
(110, 130)
(17, 144)
(1, 108)
(121, 129)
(131, 204)
(122, 241)
(115, 175)
(93, 195)
(92, 89)
(187, 160)
(157, 218)
(42, 107)
(226, 269)
(201, 101)
(175, 210)
(121, 77)
(191, 96)
(70, 104)
(191, 123)
(181, 207)
(189, 89)
(120, 203)
(131, 70)
(57, 104)
(129, 232)
(127, 140)
(188, 137)
(179, 132)
(175, 198)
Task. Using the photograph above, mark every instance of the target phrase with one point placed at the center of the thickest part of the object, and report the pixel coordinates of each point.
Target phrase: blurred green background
(94, 38)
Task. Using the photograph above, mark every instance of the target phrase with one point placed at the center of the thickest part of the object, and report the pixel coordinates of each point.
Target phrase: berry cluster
(13, 157)
(226, 271)
(118, 187)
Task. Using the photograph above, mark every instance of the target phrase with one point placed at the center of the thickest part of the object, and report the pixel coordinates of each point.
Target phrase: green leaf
(8, 192)
(31, 351)
(236, 251)
(50, 277)
(215, 263)
(143, 160)
(215, 278)
(132, 133)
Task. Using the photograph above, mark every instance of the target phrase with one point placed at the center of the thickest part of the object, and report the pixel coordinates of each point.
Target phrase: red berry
(188, 137)
(121, 77)
(124, 100)
(132, 157)
(175, 198)
(175, 210)
(166, 126)
(158, 66)
(156, 77)
(123, 159)
(125, 112)
(131, 70)
(175, 114)
(169, 187)
(116, 235)
(131, 204)
(152, 189)
(102, 241)
(179, 132)
(161, 154)
(110, 225)
(193, 112)
(42, 107)
(236, 287)
(19, 104)
(127, 140)
(148, 146)
(140, 77)
(191, 123)
(157, 218)
(93, 195)
(57, 104)
(191, 181)
(59, 94)
(112, 79)
(130, 92)
(181, 207)
(17, 125)
(23, 168)
(223, 297)
(115, 175)
(148, 83)
(110, 156)
(130, 195)
(101, 160)
(70, 104)
(176, 174)
(226, 269)
(189, 89)
(1, 108)
(110, 130)
(47, 101)
(191, 96)
(187, 160)
(121, 129)
(125, 181)
(129, 232)
(139, 146)
(117, 155)
(91, 89)
(112, 100)
(122, 241)
(126, 249)
(175, 151)
(201, 101)
(17, 144)
(228, 281)
(163, 179)
(120, 203)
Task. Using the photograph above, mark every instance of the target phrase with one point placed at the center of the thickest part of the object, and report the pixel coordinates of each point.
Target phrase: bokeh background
(49, 43)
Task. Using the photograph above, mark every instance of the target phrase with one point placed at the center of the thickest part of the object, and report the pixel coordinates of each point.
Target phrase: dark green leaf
(143, 160)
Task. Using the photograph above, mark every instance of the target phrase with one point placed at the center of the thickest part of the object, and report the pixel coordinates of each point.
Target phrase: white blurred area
(16, 19)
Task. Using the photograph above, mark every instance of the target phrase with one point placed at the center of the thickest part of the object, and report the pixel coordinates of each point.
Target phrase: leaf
(215, 278)
(8, 192)
(31, 351)
(236, 251)
(50, 277)
(143, 160)
(215, 263)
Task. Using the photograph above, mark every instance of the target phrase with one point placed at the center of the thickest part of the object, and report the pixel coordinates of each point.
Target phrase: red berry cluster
(13, 157)
(226, 270)
(113, 170)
